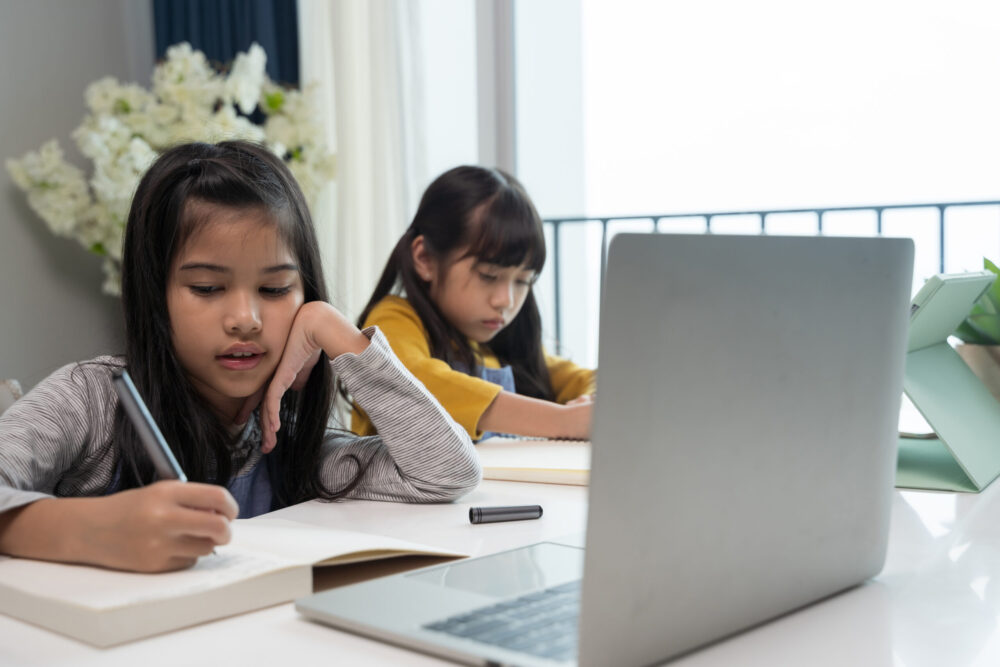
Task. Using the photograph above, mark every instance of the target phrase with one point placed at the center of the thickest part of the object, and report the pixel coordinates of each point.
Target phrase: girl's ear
(424, 261)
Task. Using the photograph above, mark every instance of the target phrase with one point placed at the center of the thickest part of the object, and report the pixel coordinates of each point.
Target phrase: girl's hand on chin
(318, 327)
(251, 402)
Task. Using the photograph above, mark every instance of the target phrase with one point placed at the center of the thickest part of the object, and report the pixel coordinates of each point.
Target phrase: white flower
(101, 95)
(246, 79)
(127, 126)
(57, 191)
(112, 278)
(225, 124)
(101, 137)
(107, 96)
(186, 80)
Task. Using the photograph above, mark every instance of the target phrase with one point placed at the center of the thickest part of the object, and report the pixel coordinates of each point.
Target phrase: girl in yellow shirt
(456, 305)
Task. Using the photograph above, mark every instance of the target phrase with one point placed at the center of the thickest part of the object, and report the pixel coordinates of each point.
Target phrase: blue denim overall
(502, 376)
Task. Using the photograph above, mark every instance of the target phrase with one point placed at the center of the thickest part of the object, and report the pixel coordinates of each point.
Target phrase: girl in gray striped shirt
(225, 310)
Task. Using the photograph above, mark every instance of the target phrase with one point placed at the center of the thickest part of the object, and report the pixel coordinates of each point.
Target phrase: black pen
(514, 513)
(149, 433)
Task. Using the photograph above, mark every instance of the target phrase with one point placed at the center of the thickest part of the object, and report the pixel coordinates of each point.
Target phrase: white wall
(52, 310)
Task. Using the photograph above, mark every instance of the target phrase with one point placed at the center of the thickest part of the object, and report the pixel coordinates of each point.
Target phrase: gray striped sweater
(50, 439)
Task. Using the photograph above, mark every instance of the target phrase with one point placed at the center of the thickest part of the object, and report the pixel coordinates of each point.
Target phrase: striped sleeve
(51, 439)
(420, 454)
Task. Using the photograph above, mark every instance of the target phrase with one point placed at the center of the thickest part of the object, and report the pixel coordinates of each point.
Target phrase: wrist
(336, 335)
(566, 422)
(357, 344)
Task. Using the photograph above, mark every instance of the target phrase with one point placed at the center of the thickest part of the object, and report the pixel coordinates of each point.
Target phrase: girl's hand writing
(318, 326)
(576, 417)
(160, 527)
(513, 413)
(580, 400)
(164, 526)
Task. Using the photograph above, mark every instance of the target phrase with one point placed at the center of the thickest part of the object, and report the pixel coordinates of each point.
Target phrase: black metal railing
(554, 226)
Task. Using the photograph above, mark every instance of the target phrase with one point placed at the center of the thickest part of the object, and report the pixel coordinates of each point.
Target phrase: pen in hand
(164, 463)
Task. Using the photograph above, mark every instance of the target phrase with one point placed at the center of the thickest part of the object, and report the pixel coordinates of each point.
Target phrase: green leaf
(122, 106)
(985, 306)
(274, 101)
(986, 326)
(99, 249)
(967, 334)
(993, 294)
(982, 324)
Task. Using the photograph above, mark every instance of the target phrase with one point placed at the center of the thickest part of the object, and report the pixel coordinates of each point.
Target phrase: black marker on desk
(163, 459)
(493, 514)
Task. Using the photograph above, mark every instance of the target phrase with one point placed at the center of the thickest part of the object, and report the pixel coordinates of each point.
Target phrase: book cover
(535, 460)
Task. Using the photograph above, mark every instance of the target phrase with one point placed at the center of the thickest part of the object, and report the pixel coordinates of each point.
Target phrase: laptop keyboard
(542, 624)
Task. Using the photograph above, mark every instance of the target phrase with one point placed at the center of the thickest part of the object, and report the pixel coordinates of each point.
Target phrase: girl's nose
(242, 316)
(503, 295)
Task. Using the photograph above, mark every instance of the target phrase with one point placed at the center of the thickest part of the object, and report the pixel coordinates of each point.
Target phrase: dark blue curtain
(223, 28)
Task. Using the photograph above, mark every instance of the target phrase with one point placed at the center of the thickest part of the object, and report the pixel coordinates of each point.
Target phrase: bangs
(234, 177)
(197, 213)
(507, 231)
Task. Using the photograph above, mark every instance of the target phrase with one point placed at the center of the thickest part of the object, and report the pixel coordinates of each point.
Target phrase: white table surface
(935, 603)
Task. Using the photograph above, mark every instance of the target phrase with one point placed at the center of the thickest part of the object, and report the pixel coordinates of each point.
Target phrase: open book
(268, 561)
(535, 460)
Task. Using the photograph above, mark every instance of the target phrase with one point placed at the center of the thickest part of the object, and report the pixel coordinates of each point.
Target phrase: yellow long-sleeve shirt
(465, 397)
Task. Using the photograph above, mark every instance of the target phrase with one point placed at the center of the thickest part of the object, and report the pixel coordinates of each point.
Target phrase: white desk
(934, 604)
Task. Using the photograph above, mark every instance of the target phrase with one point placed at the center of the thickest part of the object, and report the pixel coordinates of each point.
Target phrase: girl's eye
(276, 291)
(488, 277)
(526, 283)
(205, 290)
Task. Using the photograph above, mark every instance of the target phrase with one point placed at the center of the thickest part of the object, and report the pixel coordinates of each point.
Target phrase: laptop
(744, 447)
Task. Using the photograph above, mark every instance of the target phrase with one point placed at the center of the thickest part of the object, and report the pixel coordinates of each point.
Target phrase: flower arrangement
(127, 126)
(982, 325)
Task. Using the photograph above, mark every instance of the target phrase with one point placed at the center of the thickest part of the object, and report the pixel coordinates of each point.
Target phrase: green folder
(965, 455)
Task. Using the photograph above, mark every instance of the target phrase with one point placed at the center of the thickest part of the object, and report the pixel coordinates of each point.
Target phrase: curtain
(365, 58)
(223, 28)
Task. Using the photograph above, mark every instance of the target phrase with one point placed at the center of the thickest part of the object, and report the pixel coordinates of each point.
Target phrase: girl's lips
(239, 363)
(493, 324)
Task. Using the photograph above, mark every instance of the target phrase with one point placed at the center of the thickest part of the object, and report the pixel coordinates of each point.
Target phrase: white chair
(10, 391)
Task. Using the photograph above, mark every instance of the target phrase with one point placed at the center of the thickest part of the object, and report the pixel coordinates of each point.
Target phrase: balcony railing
(876, 220)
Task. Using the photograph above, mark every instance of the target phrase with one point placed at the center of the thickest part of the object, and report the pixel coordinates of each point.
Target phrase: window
(643, 107)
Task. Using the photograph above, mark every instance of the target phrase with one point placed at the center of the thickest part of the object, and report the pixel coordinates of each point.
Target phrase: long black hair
(164, 214)
(487, 213)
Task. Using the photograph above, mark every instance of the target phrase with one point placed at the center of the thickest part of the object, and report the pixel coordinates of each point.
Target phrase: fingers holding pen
(160, 527)
(205, 498)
